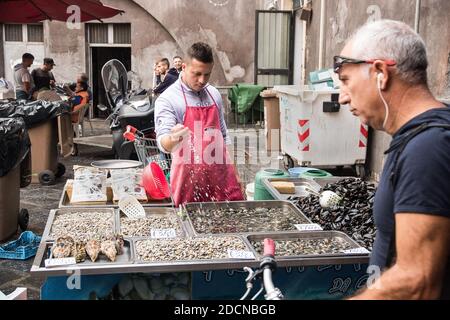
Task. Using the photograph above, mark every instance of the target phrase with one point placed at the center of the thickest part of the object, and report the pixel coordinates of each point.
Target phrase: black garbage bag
(35, 112)
(14, 144)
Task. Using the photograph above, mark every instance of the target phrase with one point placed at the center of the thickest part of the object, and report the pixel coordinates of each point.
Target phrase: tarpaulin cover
(245, 99)
(14, 144)
(34, 112)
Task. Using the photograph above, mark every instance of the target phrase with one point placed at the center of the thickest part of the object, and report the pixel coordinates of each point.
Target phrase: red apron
(199, 173)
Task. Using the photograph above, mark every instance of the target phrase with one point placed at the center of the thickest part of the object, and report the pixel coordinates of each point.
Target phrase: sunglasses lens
(337, 63)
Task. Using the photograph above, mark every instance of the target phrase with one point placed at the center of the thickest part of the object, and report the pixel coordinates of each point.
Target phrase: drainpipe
(417, 17)
(321, 33)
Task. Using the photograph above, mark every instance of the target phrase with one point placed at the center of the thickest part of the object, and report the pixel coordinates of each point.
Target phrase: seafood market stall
(189, 252)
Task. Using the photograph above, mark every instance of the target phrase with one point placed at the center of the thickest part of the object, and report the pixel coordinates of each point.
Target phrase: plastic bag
(127, 182)
(89, 185)
(34, 112)
(14, 144)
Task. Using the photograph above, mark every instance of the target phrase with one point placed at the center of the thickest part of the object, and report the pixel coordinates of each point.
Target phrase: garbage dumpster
(15, 149)
(246, 102)
(317, 131)
(42, 119)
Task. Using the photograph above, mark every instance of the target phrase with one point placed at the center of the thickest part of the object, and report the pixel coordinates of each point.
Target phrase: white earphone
(380, 78)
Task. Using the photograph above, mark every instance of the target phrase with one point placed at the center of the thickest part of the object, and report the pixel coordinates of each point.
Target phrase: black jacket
(168, 81)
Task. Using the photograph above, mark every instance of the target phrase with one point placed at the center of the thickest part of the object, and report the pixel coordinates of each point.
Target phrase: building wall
(150, 41)
(229, 29)
(168, 28)
(343, 17)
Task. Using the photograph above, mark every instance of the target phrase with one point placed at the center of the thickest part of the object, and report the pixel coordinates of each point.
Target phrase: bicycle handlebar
(269, 247)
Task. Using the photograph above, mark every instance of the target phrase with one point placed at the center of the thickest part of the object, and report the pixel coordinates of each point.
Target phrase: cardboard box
(271, 120)
(319, 76)
(322, 86)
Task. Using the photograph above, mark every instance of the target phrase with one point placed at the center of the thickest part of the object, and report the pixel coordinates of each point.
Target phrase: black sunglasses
(338, 61)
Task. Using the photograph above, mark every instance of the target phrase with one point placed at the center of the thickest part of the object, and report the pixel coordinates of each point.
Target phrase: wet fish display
(236, 220)
(187, 249)
(142, 227)
(296, 247)
(83, 226)
(353, 216)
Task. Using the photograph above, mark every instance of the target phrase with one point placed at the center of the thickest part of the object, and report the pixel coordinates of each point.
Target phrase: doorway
(99, 56)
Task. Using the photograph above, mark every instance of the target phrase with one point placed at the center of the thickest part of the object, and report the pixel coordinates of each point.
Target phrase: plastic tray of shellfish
(242, 217)
(81, 224)
(310, 248)
(91, 257)
(301, 186)
(217, 252)
(159, 223)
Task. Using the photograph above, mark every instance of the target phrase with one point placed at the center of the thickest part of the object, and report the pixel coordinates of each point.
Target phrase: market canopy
(31, 11)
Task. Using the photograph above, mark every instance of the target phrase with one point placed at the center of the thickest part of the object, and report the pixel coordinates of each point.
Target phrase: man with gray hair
(383, 73)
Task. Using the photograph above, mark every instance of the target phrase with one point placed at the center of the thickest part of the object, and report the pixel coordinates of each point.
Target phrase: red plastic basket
(154, 182)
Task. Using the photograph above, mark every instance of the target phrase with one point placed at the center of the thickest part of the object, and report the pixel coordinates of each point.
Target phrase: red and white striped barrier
(363, 136)
(303, 134)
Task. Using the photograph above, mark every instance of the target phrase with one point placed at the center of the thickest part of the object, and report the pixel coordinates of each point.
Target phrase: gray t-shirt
(170, 108)
(21, 75)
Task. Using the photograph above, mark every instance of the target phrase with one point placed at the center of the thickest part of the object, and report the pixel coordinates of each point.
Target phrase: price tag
(357, 250)
(163, 233)
(308, 227)
(240, 254)
(60, 262)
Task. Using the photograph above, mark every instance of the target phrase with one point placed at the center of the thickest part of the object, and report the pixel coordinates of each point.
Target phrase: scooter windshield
(115, 78)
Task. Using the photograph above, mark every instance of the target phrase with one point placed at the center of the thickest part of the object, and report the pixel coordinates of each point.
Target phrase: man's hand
(172, 140)
(178, 132)
(52, 83)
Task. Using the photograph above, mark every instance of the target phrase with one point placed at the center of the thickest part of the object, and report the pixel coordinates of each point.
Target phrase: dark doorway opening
(99, 56)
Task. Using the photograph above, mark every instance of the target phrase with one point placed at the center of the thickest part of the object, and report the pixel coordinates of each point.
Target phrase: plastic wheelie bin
(44, 153)
(46, 121)
(15, 169)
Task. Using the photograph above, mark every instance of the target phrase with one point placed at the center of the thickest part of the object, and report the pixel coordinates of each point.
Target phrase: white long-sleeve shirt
(170, 108)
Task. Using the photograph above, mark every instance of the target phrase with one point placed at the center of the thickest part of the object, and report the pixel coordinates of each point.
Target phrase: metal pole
(321, 33)
(417, 17)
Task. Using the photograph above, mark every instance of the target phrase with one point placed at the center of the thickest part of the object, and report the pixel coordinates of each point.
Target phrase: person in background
(165, 78)
(78, 98)
(43, 77)
(23, 81)
(191, 106)
(383, 73)
(82, 77)
(177, 64)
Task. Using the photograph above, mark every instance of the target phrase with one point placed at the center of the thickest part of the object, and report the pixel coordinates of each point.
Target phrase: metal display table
(95, 274)
(130, 263)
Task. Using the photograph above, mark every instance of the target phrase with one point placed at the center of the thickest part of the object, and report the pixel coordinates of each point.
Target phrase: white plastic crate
(313, 137)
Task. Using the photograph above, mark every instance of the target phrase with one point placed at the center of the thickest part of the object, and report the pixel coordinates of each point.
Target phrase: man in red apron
(190, 124)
